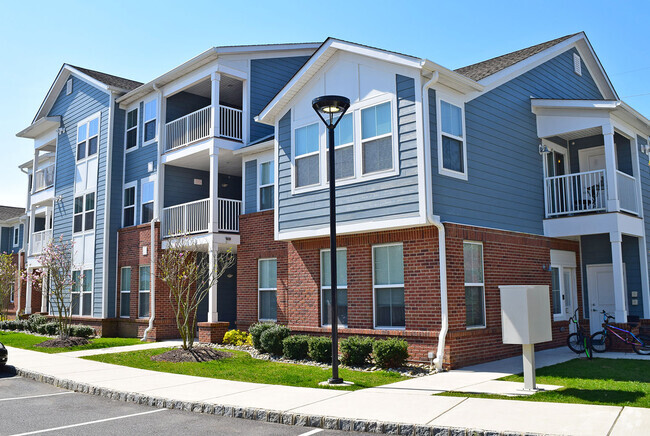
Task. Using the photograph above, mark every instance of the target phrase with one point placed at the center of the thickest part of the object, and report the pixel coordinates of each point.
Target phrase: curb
(263, 415)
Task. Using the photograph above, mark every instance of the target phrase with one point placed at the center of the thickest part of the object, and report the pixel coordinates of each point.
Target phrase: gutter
(152, 281)
(435, 220)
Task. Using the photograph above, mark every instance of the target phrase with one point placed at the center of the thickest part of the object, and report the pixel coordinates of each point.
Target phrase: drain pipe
(435, 220)
(152, 281)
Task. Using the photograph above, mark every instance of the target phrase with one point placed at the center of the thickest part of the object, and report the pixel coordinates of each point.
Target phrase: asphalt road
(30, 407)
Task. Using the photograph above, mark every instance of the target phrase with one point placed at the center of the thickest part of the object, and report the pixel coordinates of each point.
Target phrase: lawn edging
(257, 414)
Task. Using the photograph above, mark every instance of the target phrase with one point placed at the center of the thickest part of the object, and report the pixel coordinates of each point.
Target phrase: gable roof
(483, 69)
(109, 79)
(9, 212)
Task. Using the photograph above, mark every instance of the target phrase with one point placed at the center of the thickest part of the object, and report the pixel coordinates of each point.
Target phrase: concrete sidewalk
(406, 407)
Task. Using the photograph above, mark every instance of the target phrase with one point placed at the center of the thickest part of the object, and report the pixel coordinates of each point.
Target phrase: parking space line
(35, 396)
(89, 422)
(314, 431)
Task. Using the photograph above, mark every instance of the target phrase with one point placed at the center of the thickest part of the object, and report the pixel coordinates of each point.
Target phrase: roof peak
(109, 79)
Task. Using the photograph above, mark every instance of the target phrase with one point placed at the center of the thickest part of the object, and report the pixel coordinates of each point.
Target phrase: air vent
(577, 65)
(68, 87)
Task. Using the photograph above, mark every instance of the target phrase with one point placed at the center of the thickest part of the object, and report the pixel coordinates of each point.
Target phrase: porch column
(34, 168)
(616, 239)
(44, 292)
(213, 315)
(28, 296)
(213, 214)
(30, 229)
(216, 81)
(610, 165)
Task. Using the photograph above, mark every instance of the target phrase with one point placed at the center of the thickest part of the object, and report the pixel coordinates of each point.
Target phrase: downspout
(152, 281)
(435, 220)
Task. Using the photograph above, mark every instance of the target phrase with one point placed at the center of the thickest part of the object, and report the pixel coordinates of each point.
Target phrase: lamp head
(330, 105)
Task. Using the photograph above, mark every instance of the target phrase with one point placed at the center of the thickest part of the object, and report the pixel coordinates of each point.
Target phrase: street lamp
(330, 109)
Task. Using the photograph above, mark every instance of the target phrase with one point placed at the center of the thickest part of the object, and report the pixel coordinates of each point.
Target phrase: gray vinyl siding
(250, 194)
(84, 101)
(267, 78)
(384, 198)
(504, 189)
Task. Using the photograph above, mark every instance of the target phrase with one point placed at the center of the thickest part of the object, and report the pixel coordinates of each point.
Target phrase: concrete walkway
(406, 407)
(137, 347)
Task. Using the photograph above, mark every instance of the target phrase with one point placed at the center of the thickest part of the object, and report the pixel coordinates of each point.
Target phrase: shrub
(16, 324)
(49, 328)
(256, 331)
(82, 331)
(320, 349)
(271, 339)
(34, 321)
(296, 347)
(356, 350)
(237, 337)
(390, 353)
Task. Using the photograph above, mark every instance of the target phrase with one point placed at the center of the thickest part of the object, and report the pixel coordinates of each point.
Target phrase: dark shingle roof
(9, 212)
(486, 68)
(109, 79)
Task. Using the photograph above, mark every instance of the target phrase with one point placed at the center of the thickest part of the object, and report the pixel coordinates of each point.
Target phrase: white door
(600, 283)
(591, 159)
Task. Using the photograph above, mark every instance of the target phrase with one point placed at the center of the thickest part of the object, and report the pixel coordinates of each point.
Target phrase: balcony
(197, 125)
(39, 241)
(194, 218)
(44, 178)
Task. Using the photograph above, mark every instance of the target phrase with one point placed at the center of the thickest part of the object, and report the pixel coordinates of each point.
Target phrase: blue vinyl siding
(644, 167)
(84, 101)
(7, 239)
(137, 161)
(180, 187)
(250, 194)
(184, 103)
(384, 198)
(267, 78)
(504, 189)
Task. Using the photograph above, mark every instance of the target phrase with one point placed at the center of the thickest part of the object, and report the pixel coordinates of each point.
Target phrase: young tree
(189, 277)
(7, 279)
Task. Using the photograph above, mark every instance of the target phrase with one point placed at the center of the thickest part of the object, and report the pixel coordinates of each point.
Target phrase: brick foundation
(212, 332)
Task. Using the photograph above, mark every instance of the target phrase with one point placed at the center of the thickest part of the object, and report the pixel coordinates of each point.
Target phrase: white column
(213, 315)
(44, 295)
(616, 239)
(28, 297)
(30, 230)
(34, 168)
(610, 166)
(213, 222)
(645, 286)
(216, 81)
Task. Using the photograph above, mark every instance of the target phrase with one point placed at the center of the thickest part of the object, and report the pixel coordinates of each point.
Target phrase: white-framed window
(81, 295)
(474, 284)
(125, 292)
(266, 186)
(150, 119)
(128, 205)
(147, 199)
(341, 285)
(452, 148)
(562, 291)
(307, 158)
(144, 290)
(131, 139)
(388, 285)
(84, 213)
(267, 289)
(376, 138)
(11, 292)
(16, 236)
(87, 138)
(344, 149)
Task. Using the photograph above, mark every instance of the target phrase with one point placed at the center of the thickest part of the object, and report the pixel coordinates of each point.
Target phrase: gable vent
(68, 87)
(577, 65)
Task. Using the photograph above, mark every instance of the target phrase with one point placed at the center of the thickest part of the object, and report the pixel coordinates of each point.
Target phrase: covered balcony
(40, 227)
(194, 217)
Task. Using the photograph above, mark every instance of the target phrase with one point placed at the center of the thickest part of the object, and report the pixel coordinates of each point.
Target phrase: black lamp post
(330, 109)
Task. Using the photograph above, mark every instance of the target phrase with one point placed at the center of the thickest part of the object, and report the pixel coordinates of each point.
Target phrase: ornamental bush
(82, 331)
(237, 337)
(34, 321)
(320, 349)
(356, 350)
(49, 328)
(256, 331)
(390, 353)
(17, 324)
(271, 339)
(296, 347)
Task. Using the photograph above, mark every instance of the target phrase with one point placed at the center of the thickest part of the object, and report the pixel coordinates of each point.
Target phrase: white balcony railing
(627, 192)
(198, 125)
(39, 241)
(575, 193)
(44, 178)
(194, 217)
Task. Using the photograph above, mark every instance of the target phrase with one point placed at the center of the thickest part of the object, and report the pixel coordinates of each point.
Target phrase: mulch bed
(63, 343)
(196, 354)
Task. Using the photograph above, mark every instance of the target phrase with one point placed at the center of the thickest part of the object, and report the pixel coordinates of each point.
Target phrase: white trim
(457, 102)
(15, 236)
(258, 191)
(150, 179)
(355, 227)
(126, 186)
(128, 291)
(137, 128)
(593, 224)
(145, 121)
(86, 121)
(570, 294)
(395, 285)
(81, 292)
(482, 285)
(260, 289)
(338, 286)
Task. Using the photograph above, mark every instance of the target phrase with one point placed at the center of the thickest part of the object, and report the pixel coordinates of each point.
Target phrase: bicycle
(579, 342)
(602, 341)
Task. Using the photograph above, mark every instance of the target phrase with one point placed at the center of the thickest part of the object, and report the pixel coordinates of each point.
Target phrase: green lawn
(615, 382)
(27, 341)
(242, 367)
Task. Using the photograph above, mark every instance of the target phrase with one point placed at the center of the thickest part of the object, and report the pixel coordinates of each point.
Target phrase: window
(562, 291)
(267, 289)
(125, 292)
(307, 148)
(132, 128)
(81, 293)
(556, 291)
(143, 291)
(129, 207)
(266, 185)
(16, 236)
(344, 149)
(147, 201)
(452, 144)
(376, 138)
(150, 110)
(474, 285)
(84, 212)
(388, 282)
(341, 285)
(87, 139)
(11, 293)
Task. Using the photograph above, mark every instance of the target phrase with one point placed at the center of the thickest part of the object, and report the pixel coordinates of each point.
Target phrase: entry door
(600, 283)
(593, 159)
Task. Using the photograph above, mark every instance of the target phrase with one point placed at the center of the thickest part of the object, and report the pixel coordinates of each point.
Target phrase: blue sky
(142, 39)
